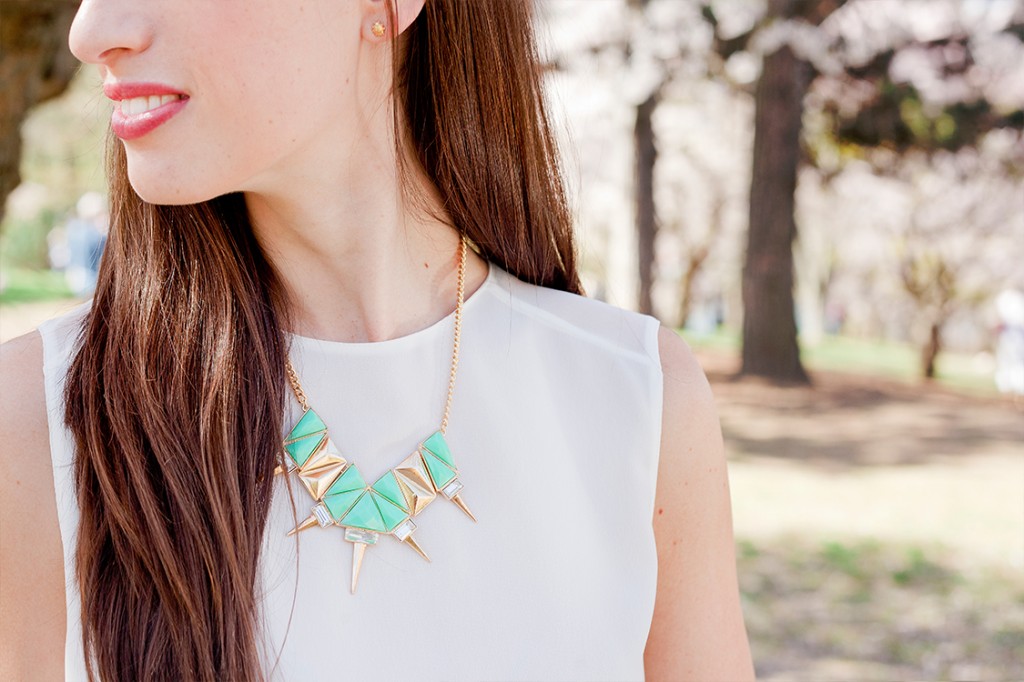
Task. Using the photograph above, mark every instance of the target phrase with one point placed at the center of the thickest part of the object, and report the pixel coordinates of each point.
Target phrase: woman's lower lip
(131, 127)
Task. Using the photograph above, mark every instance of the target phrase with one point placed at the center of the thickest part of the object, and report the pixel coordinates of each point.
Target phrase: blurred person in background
(1010, 344)
(85, 235)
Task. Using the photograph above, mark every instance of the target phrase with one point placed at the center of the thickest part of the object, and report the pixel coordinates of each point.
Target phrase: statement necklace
(387, 506)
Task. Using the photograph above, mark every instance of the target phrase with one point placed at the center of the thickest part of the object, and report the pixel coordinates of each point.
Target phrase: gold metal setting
(321, 469)
(377, 29)
(418, 483)
(415, 483)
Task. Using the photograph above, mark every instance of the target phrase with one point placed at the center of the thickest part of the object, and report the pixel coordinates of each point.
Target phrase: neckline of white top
(308, 343)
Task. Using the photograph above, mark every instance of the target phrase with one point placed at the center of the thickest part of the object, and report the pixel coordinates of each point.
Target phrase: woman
(284, 288)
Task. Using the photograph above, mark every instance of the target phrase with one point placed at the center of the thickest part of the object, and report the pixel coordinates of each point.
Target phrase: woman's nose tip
(103, 30)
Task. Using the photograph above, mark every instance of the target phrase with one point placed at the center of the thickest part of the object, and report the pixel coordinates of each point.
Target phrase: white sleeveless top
(555, 430)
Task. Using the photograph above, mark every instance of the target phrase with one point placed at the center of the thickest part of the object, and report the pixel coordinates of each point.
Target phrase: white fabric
(555, 429)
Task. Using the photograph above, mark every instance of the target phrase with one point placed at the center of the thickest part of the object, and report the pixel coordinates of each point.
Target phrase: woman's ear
(408, 10)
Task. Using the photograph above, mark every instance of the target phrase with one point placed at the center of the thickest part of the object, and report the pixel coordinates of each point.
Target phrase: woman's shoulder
(32, 368)
(23, 422)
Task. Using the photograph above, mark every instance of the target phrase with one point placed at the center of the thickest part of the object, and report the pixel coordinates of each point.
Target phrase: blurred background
(826, 198)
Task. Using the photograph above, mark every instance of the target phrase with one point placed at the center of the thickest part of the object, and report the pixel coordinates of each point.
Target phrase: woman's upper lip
(118, 90)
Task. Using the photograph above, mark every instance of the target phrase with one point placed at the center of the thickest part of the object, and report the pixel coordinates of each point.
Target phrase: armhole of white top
(657, 402)
(60, 338)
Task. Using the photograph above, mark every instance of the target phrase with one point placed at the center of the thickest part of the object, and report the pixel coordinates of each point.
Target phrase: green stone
(390, 512)
(309, 424)
(351, 479)
(387, 486)
(438, 470)
(300, 450)
(339, 503)
(365, 514)
(439, 446)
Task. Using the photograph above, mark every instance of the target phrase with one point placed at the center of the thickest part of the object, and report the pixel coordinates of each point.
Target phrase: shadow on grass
(846, 420)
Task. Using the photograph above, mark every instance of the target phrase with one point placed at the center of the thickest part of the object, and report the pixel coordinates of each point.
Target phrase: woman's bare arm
(697, 632)
(32, 609)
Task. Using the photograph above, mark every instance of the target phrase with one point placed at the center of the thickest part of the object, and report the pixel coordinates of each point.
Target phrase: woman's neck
(358, 264)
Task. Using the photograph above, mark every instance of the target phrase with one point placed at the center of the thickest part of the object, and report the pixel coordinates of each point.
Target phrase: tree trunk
(770, 346)
(35, 65)
(694, 263)
(698, 254)
(930, 352)
(646, 218)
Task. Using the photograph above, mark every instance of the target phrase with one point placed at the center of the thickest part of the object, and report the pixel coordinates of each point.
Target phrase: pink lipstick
(140, 108)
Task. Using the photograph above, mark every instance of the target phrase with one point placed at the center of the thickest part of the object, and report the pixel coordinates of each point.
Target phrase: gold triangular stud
(308, 523)
(358, 550)
(419, 550)
(457, 499)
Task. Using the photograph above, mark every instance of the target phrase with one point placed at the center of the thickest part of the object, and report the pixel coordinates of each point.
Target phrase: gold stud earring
(377, 29)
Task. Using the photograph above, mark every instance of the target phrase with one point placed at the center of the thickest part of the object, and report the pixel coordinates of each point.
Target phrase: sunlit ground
(880, 527)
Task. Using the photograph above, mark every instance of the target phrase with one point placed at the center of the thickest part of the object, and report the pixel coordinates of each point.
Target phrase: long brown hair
(175, 396)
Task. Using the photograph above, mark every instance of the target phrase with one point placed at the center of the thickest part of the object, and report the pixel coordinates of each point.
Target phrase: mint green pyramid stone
(339, 503)
(350, 480)
(300, 450)
(438, 471)
(387, 486)
(307, 426)
(392, 514)
(439, 446)
(364, 514)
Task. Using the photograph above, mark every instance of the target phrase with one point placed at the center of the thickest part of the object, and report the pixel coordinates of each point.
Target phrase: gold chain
(300, 395)
(458, 333)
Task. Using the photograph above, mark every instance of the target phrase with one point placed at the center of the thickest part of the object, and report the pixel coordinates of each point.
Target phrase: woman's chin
(167, 189)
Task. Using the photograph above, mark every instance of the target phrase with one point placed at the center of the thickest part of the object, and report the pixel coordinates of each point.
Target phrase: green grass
(30, 286)
(896, 361)
(720, 339)
(888, 359)
(861, 356)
